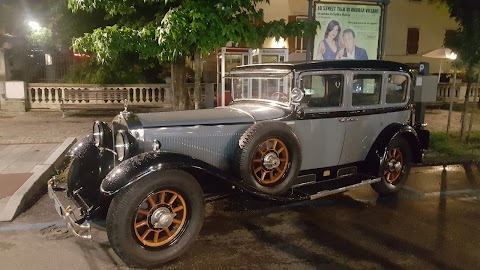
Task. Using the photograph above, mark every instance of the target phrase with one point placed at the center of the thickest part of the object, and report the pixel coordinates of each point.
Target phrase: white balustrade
(50, 96)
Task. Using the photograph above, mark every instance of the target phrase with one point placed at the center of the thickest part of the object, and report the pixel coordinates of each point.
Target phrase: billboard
(348, 31)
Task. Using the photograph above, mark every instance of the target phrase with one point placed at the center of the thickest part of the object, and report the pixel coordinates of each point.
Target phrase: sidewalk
(24, 169)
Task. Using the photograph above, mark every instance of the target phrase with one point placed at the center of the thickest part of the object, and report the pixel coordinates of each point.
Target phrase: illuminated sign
(348, 31)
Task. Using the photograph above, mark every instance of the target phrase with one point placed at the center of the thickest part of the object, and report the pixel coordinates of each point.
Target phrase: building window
(297, 44)
(413, 36)
(450, 36)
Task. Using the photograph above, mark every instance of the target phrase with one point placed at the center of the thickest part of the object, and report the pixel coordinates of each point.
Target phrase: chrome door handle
(352, 119)
(343, 119)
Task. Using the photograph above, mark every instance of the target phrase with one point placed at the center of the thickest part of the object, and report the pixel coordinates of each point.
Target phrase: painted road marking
(34, 226)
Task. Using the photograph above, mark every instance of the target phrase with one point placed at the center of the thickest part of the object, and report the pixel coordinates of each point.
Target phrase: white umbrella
(442, 53)
(445, 53)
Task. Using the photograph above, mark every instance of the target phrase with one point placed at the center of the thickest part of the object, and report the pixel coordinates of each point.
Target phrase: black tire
(252, 166)
(393, 179)
(125, 210)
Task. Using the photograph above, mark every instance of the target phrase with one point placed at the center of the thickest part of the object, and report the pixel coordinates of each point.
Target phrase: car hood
(234, 114)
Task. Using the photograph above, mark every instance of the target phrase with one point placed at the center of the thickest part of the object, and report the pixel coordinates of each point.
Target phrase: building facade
(413, 28)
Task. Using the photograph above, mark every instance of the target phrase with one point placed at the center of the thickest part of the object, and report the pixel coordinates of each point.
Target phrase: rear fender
(379, 148)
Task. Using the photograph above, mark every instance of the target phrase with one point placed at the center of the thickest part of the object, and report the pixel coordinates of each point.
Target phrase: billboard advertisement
(348, 31)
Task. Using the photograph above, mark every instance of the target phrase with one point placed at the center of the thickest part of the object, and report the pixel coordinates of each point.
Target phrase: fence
(50, 96)
(445, 89)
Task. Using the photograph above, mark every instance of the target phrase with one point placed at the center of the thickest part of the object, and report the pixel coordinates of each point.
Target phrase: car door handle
(352, 119)
(343, 119)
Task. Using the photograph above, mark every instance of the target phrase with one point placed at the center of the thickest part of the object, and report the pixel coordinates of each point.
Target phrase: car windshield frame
(281, 79)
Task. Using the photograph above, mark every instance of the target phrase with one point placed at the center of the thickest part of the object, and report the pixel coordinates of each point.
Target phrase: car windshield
(262, 87)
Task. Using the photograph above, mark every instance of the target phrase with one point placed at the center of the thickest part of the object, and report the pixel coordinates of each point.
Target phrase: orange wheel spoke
(151, 201)
(283, 159)
(278, 169)
(145, 234)
(155, 236)
(162, 197)
(174, 197)
(168, 232)
(266, 145)
(257, 170)
(275, 142)
(271, 175)
(263, 175)
(177, 221)
(257, 160)
(178, 208)
(143, 212)
(140, 224)
(280, 150)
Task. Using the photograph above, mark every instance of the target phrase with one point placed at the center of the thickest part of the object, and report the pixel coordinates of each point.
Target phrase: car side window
(397, 86)
(366, 89)
(325, 90)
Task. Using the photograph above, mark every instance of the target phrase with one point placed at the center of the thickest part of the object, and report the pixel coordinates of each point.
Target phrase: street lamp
(34, 25)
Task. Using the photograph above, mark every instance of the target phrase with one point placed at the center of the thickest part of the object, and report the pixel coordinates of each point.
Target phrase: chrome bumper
(80, 230)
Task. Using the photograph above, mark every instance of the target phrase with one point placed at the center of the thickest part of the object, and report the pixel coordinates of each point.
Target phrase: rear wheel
(156, 219)
(396, 167)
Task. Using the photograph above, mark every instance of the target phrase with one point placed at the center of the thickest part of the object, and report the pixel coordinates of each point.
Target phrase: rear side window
(366, 89)
(324, 90)
(397, 86)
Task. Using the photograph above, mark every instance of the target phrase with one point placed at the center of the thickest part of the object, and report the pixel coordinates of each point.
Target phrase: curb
(447, 163)
(34, 188)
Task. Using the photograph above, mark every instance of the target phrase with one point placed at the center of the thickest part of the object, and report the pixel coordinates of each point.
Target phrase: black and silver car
(292, 132)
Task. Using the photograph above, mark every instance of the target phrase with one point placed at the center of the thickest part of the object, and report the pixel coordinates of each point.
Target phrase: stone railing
(445, 89)
(50, 96)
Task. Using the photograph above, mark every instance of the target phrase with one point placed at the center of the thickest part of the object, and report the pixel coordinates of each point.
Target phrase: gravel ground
(50, 127)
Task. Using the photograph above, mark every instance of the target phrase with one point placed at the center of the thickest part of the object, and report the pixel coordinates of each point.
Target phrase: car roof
(380, 65)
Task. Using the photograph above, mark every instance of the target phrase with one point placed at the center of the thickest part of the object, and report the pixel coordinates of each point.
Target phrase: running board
(341, 184)
(343, 189)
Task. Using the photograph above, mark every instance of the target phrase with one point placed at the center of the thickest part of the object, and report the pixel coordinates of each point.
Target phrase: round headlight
(98, 133)
(297, 95)
(121, 145)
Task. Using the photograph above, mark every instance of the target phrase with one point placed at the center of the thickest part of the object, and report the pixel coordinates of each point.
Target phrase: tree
(181, 29)
(467, 42)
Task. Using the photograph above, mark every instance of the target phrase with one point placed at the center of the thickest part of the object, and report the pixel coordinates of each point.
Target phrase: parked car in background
(293, 132)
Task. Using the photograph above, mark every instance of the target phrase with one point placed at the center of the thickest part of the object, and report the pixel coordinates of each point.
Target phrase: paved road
(434, 223)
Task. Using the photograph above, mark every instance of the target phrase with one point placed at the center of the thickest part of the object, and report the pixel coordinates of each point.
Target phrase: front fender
(89, 165)
(379, 147)
(137, 167)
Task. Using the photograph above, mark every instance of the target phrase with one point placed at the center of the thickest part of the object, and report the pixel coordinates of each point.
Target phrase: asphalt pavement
(433, 223)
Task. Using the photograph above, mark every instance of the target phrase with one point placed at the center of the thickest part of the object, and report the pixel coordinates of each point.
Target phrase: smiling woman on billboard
(359, 38)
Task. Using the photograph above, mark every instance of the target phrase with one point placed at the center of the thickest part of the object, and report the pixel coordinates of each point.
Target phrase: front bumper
(79, 227)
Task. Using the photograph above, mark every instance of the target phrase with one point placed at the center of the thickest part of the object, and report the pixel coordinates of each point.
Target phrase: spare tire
(269, 157)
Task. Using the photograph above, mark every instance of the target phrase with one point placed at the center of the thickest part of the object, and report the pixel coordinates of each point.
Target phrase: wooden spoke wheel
(270, 161)
(160, 218)
(394, 165)
(269, 157)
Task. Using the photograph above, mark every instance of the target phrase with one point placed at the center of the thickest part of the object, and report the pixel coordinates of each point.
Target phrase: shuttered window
(413, 36)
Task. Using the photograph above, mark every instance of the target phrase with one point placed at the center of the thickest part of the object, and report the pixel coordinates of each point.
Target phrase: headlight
(102, 134)
(121, 145)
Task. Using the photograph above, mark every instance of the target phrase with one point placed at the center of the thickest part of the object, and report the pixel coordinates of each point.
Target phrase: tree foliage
(467, 42)
(176, 29)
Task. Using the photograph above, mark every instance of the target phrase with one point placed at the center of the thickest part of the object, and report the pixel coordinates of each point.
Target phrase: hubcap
(159, 218)
(394, 166)
(270, 161)
(162, 218)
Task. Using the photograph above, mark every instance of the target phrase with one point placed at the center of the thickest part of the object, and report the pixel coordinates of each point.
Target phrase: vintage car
(294, 131)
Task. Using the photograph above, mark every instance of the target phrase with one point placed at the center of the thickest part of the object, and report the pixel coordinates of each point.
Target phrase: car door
(322, 128)
(365, 118)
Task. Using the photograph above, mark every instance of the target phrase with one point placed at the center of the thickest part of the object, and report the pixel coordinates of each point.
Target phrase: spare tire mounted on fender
(269, 157)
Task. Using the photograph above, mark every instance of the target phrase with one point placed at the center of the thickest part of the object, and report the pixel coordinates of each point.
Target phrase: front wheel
(156, 219)
(395, 167)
